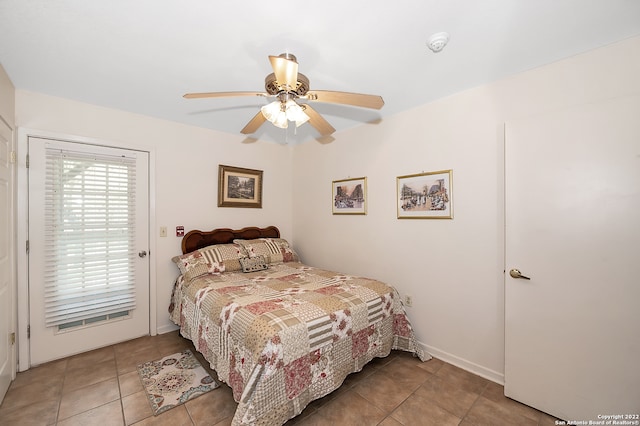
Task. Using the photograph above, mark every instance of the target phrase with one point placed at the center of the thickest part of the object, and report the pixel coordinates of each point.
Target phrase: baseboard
(472, 367)
(167, 328)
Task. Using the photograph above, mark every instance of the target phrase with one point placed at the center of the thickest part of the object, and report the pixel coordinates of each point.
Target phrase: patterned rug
(174, 380)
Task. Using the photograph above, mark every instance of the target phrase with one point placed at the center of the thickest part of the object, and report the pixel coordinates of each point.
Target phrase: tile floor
(102, 387)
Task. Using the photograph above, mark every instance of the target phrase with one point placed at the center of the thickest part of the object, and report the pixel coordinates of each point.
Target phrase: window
(89, 237)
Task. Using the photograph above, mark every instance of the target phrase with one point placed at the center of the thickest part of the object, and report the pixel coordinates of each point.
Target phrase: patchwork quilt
(287, 335)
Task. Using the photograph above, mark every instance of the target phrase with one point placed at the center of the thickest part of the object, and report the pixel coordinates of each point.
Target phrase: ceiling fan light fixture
(280, 113)
(271, 111)
(275, 114)
(295, 113)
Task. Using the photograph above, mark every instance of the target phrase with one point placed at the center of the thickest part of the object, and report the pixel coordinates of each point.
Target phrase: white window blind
(89, 236)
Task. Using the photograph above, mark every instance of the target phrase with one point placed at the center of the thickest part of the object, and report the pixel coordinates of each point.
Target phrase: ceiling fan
(288, 86)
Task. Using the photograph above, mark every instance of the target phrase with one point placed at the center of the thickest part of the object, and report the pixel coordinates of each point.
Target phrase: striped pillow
(211, 260)
(274, 250)
(227, 254)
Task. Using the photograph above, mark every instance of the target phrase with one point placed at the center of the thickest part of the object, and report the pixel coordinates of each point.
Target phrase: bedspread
(285, 336)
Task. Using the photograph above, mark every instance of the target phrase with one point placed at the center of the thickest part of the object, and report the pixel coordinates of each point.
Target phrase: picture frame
(425, 195)
(349, 196)
(239, 187)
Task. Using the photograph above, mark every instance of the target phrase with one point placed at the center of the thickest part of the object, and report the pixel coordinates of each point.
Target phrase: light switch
(163, 231)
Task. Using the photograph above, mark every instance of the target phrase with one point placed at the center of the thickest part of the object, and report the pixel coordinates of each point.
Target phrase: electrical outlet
(408, 300)
(163, 231)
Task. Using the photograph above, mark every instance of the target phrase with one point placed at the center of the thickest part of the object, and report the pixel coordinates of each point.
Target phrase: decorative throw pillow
(194, 264)
(274, 250)
(253, 264)
(227, 254)
(189, 261)
(214, 268)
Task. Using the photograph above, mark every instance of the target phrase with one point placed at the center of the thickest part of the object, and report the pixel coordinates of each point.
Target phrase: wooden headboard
(199, 239)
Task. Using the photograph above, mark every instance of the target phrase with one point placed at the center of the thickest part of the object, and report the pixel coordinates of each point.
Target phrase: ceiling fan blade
(286, 71)
(318, 122)
(253, 125)
(355, 99)
(222, 94)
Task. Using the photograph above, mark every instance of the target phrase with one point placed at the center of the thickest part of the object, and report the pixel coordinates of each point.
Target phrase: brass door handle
(517, 274)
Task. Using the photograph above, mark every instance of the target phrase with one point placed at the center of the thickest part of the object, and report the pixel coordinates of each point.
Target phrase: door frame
(11, 285)
(22, 231)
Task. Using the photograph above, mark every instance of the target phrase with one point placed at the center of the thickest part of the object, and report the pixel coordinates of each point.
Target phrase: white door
(7, 348)
(101, 197)
(572, 331)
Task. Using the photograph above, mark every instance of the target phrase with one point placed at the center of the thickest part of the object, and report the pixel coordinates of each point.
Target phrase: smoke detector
(438, 41)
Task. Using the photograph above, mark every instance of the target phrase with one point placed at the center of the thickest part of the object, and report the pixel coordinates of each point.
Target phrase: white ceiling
(143, 55)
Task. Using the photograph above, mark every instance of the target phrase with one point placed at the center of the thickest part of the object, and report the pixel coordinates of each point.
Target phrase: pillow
(194, 264)
(253, 264)
(274, 250)
(211, 260)
(193, 260)
(215, 268)
(228, 254)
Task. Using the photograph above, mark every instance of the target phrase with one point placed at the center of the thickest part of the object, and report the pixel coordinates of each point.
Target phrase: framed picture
(238, 187)
(350, 196)
(425, 195)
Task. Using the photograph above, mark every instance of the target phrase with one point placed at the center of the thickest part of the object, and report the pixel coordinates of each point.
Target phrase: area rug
(174, 380)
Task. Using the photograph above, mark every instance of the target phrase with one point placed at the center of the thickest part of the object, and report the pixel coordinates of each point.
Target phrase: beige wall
(453, 269)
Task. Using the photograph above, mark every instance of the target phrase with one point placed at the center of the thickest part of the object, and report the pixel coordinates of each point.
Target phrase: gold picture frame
(349, 196)
(239, 187)
(425, 195)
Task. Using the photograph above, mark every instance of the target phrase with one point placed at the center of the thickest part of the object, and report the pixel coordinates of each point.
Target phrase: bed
(280, 333)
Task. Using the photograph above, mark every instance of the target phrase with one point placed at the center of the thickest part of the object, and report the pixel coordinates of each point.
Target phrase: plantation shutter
(89, 236)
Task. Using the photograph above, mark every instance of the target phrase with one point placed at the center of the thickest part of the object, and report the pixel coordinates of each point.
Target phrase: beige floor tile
(452, 398)
(351, 409)
(136, 407)
(105, 415)
(94, 357)
(390, 421)
(128, 362)
(88, 397)
(418, 410)
(383, 391)
(313, 419)
(405, 372)
(89, 375)
(175, 417)
(488, 413)
(135, 345)
(462, 378)
(51, 371)
(495, 393)
(36, 414)
(49, 389)
(212, 407)
(130, 383)
(432, 365)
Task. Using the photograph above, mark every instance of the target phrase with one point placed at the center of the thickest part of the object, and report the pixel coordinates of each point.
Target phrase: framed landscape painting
(238, 187)
(349, 196)
(425, 195)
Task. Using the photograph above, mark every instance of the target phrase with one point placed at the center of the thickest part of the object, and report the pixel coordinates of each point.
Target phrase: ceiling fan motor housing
(272, 87)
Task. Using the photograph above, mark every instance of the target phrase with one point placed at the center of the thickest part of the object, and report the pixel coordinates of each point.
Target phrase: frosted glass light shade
(279, 114)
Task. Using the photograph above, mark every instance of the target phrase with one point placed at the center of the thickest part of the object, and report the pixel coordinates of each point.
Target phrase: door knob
(142, 253)
(516, 274)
